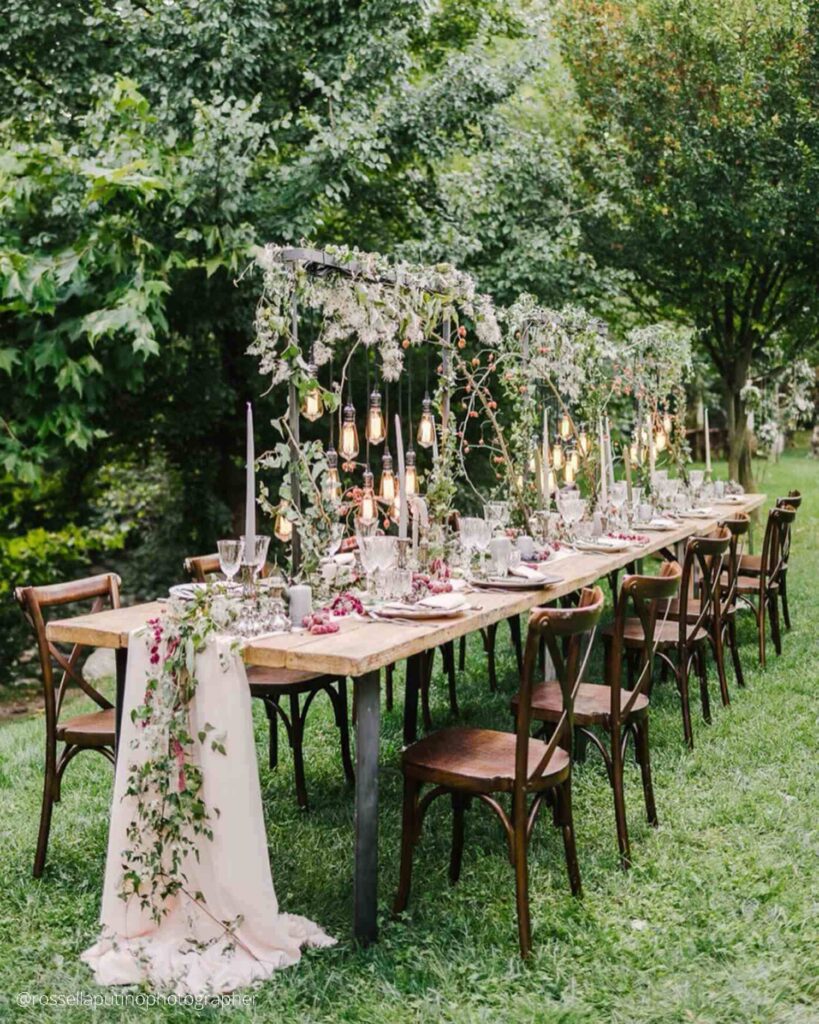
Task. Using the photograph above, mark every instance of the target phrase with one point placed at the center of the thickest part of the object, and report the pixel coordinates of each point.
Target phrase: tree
(702, 127)
(147, 145)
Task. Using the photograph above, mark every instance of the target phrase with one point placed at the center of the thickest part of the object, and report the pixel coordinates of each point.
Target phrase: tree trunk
(740, 466)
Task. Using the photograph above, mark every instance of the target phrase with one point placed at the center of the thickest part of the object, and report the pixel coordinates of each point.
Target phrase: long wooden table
(362, 648)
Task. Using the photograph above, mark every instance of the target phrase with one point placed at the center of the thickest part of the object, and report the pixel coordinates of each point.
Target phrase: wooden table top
(363, 646)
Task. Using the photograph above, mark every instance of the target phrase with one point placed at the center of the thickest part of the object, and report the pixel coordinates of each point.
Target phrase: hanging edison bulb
(574, 460)
(660, 440)
(426, 425)
(557, 455)
(410, 472)
(565, 426)
(367, 509)
(283, 528)
(583, 441)
(667, 424)
(312, 404)
(551, 482)
(634, 453)
(386, 487)
(568, 473)
(332, 483)
(376, 426)
(348, 445)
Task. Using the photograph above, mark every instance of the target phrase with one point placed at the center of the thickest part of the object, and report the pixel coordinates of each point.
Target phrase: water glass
(500, 548)
(231, 553)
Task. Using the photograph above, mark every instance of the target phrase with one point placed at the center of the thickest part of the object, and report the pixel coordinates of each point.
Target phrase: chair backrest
(776, 544)
(649, 597)
(793, 500)
(199, 567)
(705, 560)
(553, 625)
(34, 602)
(738, 527)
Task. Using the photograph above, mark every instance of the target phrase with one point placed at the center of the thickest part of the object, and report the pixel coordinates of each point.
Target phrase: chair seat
(750, 585)
(92, 730)
(665, 633)
(266, 680)
(482, 760)
(591, 705)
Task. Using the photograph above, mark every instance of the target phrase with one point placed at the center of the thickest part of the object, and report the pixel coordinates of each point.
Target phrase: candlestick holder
(247, 576)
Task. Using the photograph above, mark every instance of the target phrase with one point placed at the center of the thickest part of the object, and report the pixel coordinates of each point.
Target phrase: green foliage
(702, 128)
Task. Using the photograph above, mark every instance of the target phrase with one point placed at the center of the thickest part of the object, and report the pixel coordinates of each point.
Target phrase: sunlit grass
(716, 922)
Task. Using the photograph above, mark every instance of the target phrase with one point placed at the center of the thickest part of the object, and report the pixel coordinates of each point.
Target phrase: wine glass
(469, 524)
(335, 539)
(619, 493)
(496, 513)
(385, 555)
(369, 561)
(572, 510)
(483, 538)
(231, 553)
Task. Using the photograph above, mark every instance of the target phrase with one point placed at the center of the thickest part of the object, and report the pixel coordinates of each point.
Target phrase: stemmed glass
(483, 538)
(469, 525)
(335, 539)
(619, 493)
(231, 553)
(385, 555)
(496, 514)
(369, 560)
(572, 510)
(695, 480)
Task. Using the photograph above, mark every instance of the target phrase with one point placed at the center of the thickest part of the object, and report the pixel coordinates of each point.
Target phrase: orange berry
(406, 343)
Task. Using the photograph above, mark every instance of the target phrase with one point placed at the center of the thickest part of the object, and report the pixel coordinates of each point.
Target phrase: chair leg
(45, 818)
(296, 744)
(489, 646)
(618, 790)
(734, 645)
(456, 855)
(644, 760)
(702, 673)
(783, 592)
(719, 658)
(776, 635)
(514, 629)
(564, 807)
(448, 656)
(273, 732)
(343, 723)
(682, 686)
(760, 625)
(408, 839)
(426, 714)
(519, 846)
(462, 654)
(390, 688)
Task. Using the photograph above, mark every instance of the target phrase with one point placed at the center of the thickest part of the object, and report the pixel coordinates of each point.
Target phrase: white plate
(186, 591)
(416, 611)
(698, 513)
(732, 499)
(605, 547)
(515, 583)
(659, 525)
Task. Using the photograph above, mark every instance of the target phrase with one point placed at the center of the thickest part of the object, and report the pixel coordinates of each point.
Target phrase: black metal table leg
(416, 666)
(365, 878)
(121, 658)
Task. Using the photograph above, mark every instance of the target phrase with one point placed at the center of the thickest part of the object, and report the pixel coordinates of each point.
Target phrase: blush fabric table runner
(189, 951)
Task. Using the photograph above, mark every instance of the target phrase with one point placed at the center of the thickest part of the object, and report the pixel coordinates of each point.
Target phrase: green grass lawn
(716, 922)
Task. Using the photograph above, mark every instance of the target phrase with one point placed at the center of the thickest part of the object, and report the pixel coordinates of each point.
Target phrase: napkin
(446, 602)
(525, 571)
(348, 558)
(662, 523)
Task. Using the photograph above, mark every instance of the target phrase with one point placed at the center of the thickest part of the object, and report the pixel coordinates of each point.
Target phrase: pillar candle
(403, 511)
(250, 491)
(652, 451)
(609, 455)
(707, 443)
(601, 444)
(627, 464)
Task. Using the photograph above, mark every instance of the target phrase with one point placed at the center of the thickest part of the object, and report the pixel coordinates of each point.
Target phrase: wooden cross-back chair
(751, 564)
(485, 764)
(274, 686)
(739, 527)
(680, 642)
(759, 584)
(609, 710)
(89, 731)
